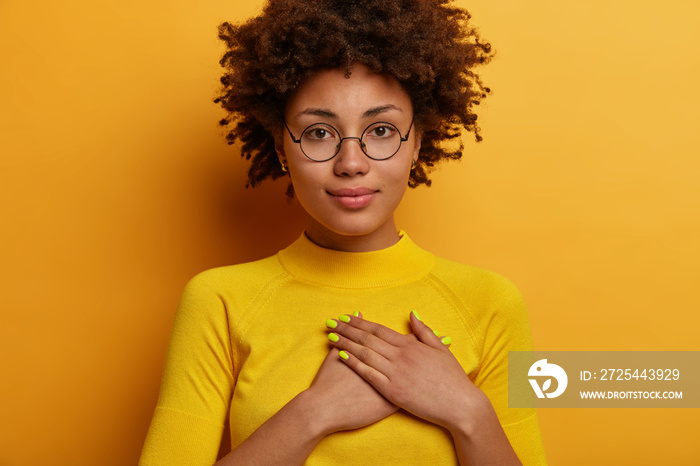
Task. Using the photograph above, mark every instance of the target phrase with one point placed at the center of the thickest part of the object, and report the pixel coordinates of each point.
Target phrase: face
(350, 199)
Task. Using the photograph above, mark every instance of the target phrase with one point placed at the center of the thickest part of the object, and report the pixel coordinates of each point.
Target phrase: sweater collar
(401, 263)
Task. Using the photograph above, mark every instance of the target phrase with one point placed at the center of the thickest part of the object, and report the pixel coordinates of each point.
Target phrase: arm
(288, 437)
(198, 383)
(338, 399)
(418, 373)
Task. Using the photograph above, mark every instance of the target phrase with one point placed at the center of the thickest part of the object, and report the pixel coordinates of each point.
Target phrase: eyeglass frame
(340, 143)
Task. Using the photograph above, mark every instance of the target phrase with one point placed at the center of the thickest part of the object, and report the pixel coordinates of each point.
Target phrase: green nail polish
(437, 334)
(344, 318)
(330, 323)
(416, 314)
(356, 313)
(343, 354)
(333, 337)
(446, 340)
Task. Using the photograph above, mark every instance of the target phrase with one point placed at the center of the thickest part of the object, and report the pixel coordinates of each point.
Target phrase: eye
(319, 133)
(382, 131)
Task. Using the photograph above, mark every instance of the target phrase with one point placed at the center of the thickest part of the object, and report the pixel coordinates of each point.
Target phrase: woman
(354, 102)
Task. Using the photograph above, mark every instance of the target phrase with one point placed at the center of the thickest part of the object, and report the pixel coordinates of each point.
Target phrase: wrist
(472, 417)
(312, 414)
(479, 437)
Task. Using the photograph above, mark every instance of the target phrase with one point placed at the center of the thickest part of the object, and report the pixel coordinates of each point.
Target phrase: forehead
(351, 96)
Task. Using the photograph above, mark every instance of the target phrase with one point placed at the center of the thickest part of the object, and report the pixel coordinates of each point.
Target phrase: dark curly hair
(427, 45)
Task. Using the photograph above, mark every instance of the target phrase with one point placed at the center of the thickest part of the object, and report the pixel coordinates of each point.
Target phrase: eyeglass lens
(379, 141)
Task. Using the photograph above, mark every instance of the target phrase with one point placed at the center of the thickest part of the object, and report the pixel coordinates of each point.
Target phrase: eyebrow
(326, 113)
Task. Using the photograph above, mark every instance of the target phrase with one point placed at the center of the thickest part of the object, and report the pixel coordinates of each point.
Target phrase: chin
(353, 230)
(354, 226)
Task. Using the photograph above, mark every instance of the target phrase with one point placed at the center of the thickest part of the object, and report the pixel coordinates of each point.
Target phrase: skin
(405, 367)
(385, 370)
(349, 105)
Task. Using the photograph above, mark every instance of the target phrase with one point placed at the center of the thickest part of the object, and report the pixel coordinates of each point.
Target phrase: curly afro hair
(427, 45)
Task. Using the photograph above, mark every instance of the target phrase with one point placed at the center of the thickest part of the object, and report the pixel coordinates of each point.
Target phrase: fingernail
(333, 337)
(343, 354)
(330, 323)
(344, 318)
(437, 334)
(356, 313)
(416, 314)
(444, 340)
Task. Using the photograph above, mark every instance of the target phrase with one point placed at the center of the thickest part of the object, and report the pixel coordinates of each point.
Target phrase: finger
(333, 323)
(380, 331)
(425, 333)
(444, 339)
(367, 355)
(360, 342)
(374, 377)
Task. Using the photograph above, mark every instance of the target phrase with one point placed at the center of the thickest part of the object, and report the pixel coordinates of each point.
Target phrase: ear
(279, 148)
(416, 150)
(280, 154)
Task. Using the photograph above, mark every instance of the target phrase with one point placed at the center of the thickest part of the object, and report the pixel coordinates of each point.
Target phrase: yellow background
(116, 187)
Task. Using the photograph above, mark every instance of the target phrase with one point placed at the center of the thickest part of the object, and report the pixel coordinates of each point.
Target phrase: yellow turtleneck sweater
(248, 338)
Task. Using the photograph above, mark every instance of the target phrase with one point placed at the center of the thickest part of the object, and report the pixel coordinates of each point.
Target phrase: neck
(403, 262)
(383, 237)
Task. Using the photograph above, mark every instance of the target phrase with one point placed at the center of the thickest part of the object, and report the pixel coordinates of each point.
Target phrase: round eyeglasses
(321, 142)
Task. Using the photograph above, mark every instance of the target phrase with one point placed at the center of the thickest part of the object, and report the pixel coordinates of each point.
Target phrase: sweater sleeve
(506, 328)
(197, 382)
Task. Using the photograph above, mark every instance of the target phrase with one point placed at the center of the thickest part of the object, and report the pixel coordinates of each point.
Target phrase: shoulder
(490, 301)
(478, 283)
(240, 276)
(232, 287)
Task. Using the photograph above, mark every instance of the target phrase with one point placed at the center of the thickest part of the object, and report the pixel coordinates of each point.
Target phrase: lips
(353, 198)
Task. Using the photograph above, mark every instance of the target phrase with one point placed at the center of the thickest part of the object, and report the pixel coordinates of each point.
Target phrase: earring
(284, 167)
(413, 164)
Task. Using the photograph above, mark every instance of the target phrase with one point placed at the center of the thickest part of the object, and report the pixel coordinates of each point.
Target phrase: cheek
(398, 175)
(308, 183)
(395, 183)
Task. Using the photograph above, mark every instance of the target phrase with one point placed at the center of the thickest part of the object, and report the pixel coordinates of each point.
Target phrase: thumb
(423, 332)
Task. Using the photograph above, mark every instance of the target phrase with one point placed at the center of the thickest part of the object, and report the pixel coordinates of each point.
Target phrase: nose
(350, 159)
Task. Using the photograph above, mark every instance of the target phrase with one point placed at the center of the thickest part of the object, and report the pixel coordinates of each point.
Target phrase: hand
(349, 401)
(417, 372)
